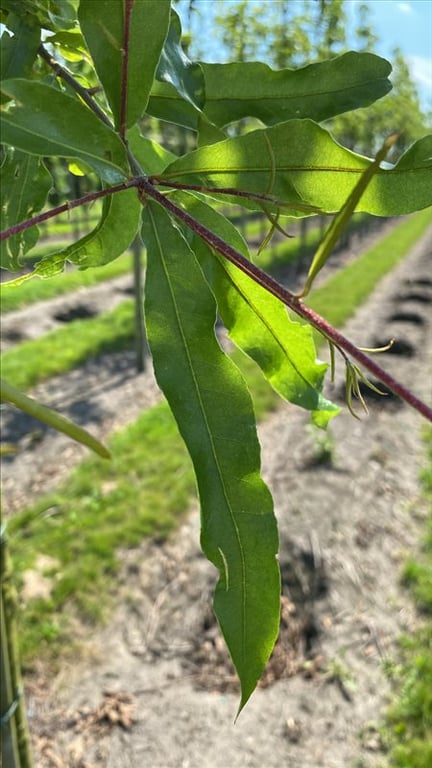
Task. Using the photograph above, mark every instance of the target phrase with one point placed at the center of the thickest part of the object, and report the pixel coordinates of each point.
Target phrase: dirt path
(159, 667)
(102, 395)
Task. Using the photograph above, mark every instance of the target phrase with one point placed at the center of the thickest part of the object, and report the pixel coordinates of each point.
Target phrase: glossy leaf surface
(318, 91)
(257, 322)
(212, 406)
(176, 69)
(60, 126)
(103, 26)
(298, 161)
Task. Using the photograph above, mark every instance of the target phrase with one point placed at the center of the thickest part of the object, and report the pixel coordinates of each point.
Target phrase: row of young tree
(293, 34)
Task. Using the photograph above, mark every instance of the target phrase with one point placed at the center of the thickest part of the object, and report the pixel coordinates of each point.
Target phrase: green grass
(17, 297)
(36, 289)
(340, 296)
(102, 507)
(64, 349)
(409, 720)
(61, 350)
(107, 505)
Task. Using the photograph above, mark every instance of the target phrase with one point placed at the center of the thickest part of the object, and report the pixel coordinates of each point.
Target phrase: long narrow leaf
(343, 216)
(257, 322)
(317, 91)
(41, 412)
(299, 162)
(214, 412)
(102, 24)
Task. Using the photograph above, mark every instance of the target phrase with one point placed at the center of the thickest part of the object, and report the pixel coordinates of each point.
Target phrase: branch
(260, 197)
(17, 228)
(125, 63)
(70, 80)
(283, 294)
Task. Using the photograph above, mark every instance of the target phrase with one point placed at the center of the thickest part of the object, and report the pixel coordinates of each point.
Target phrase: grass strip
(17, 297)
(273, 258)
(65, 348)
(409, 719)
(104, 506)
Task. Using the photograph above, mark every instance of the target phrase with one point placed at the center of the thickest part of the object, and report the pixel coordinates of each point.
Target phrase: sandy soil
(154, 687)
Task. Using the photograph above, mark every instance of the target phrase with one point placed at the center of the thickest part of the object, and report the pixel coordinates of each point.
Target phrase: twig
(125, 64)
(68, 78)
(289, 299)
(17, 228)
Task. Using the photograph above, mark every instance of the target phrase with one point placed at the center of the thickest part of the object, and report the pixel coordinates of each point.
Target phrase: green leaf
(102, 24)
(212, 406)
(299, 162)
(112, 236)
(24, 189)
(41, 412)
(166, 104)
(343, 217)
(60, 126)
(257, 322)
(152, 157)
(318, 91)
(17, 53)
(177, 70)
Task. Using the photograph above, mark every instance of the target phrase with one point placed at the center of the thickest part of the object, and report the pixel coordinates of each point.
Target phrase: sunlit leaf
(41, 412)
(214, 412)
(257, 322)
(299, 162)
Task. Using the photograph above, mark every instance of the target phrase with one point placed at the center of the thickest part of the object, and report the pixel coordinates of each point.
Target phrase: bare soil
(154, 686)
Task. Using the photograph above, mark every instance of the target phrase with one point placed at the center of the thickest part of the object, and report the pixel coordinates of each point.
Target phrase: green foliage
(103, 506)
(130, 55)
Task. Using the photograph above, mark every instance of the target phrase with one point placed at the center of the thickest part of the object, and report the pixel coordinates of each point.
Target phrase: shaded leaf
(299, 162)
(18, 52)
(102, 24)
(112, 236)
(60, 126)
(176, 69)
(214, 412)
(317, 91)
(257, 322)
(24, 189)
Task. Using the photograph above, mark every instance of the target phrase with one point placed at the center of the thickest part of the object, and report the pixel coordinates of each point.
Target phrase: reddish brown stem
(17, 228)
(288, 298)
(125, 63)
(260, 197)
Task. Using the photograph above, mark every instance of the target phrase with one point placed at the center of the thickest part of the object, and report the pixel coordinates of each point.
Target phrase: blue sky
(406, 24)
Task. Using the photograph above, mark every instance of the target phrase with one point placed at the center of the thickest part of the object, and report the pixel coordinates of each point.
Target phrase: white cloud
(404, 7)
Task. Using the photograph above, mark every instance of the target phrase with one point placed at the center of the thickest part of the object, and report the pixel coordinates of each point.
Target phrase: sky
(406, 24)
